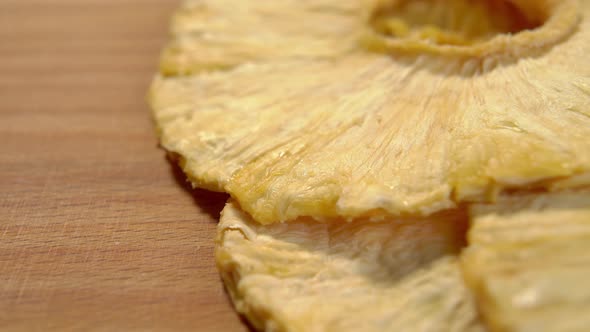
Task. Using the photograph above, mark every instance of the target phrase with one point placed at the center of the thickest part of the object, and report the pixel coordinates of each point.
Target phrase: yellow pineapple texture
(359, 140)
(529, 264)
(377, 125)
(394, 275)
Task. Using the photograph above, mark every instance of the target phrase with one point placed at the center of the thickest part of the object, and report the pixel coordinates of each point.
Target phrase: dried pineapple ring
(528, 263)
(359, 276)
(370, 134)
(220, 34)
(329, 109)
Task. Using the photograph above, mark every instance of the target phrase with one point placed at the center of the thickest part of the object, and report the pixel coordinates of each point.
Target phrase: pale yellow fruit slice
(395, 275)
(414, 130)
(220, 34)
(528, 262)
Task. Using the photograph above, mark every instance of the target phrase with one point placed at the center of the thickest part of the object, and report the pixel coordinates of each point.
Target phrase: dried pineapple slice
(220, 34)
(416, 129)
(338, 276)
(364, 110)
(528, 262)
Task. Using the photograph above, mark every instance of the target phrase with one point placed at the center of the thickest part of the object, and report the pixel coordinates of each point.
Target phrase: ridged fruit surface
(306, 108)
(359, 138)
(395, 275)
(528, 262)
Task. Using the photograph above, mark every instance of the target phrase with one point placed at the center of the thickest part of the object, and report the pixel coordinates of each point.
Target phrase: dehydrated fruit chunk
(220, 34)
(399, 128)
(528, 262)
(395, 275)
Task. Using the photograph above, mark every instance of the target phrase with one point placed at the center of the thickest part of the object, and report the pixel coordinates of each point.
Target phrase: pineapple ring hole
(470, 28)
(456, 22)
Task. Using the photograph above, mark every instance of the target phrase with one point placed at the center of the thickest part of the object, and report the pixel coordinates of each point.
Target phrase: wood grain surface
(98, 232)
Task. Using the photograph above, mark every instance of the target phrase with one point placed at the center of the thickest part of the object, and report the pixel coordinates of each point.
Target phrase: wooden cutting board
(98, 232)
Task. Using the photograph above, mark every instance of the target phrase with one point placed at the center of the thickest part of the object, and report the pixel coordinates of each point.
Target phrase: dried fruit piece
(362, 111)
(404, 124)
(395, 275)
(528, 262)
(220, 34)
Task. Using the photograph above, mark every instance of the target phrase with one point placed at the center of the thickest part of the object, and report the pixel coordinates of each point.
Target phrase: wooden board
(97, 231)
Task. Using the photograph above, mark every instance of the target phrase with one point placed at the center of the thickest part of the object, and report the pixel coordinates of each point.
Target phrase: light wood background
(98, 232)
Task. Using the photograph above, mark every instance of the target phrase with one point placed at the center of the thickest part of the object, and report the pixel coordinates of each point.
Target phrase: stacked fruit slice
(360, 139)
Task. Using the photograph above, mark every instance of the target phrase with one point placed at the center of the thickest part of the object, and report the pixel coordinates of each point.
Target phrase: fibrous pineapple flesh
(362, 133)
(529, 264)
(356, 123)
(394, 275)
